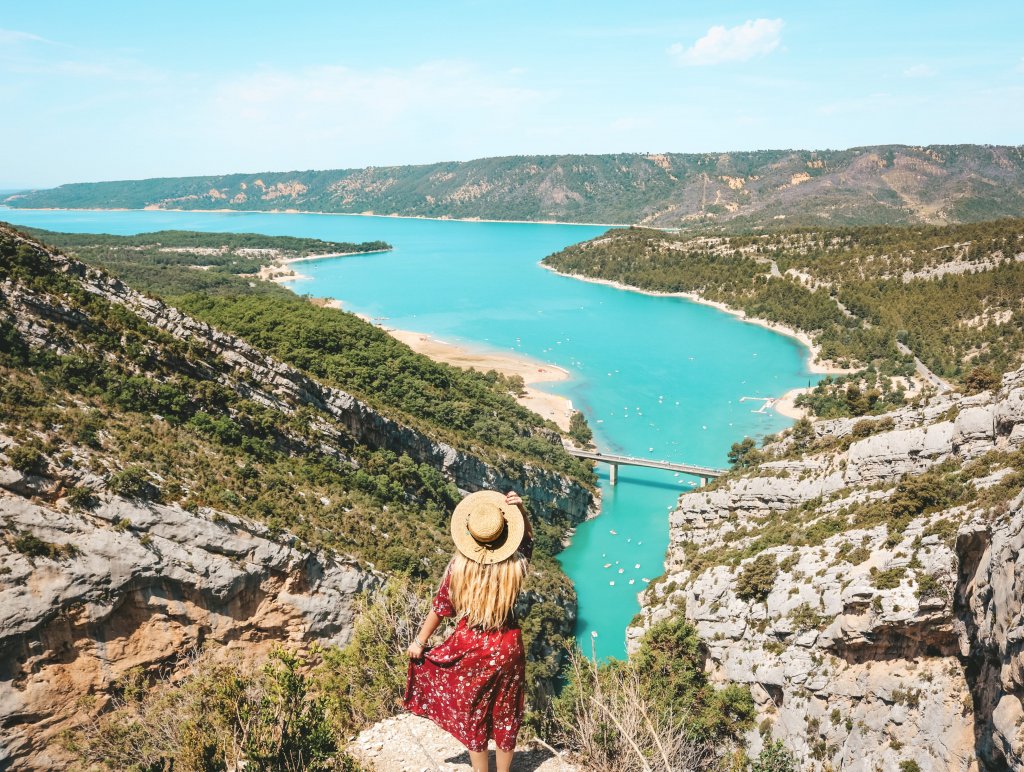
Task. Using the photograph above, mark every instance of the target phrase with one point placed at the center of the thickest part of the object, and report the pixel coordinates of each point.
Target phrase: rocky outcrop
(408, 743)
(131, 585)
(866, 646)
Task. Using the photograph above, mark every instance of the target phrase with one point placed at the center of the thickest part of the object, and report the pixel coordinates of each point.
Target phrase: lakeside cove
(656, 377)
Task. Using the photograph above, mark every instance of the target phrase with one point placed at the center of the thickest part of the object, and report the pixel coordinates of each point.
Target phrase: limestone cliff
(126, 585)
(868, 586)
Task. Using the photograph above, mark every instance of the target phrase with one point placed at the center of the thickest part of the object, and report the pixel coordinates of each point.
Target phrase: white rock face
(867, 648)
(147, 584)
(409, 743)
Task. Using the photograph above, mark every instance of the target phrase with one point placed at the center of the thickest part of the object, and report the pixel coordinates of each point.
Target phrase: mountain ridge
(881, 184)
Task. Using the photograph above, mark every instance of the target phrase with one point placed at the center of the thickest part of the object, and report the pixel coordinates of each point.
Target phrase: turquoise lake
(657, 377)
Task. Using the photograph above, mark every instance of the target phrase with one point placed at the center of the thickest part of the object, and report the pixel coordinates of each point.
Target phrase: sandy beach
(551, 406)
(785, 406)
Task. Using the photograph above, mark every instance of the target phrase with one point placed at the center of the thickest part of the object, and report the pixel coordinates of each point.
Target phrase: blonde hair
(486, 593)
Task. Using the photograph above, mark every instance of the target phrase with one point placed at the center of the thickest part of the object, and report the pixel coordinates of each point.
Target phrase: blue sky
(115, 90)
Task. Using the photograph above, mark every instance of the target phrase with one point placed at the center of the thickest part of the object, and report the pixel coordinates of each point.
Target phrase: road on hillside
(923, 371)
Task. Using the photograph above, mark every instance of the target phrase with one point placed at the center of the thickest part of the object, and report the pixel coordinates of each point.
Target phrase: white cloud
(919, 71)
(755, 37)
(10, 37)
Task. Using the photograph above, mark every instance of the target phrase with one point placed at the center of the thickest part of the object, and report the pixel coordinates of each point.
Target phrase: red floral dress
(473, 684)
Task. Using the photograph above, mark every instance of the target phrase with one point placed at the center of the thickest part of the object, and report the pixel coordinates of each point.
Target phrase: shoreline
(331, 214)
(782, 405)
(280, 270)
(553, 407)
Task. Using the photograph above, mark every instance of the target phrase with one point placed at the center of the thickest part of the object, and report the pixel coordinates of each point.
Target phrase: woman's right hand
(415, 651)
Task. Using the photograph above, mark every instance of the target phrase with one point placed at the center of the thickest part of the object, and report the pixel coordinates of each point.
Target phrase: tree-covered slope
(952, 295)
(869, 185)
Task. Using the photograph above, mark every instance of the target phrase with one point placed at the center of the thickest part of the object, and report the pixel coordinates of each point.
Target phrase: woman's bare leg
(504, 759)
(479, 760)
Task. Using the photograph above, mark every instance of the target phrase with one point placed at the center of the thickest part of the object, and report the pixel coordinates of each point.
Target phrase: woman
(472, 684)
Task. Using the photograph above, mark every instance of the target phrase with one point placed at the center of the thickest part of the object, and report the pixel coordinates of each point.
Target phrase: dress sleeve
(442, 603)
(526, 547)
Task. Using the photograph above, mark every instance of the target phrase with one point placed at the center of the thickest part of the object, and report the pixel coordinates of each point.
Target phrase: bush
(219, 716)
(657, 710)
(31, 546)
(743, 455)
(579, 431)
(757, 578)
(133, 483)
(28, 459)
(361, 683)
(82, 497)
(981, 378)
(774, 757)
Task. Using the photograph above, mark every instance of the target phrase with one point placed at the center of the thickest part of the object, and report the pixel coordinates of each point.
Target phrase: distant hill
(886, 184)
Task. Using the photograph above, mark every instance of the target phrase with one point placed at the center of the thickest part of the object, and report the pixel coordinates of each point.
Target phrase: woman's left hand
(415, 651)
(513, 498)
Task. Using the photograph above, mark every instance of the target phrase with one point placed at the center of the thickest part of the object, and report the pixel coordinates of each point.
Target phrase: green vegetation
(472, 411)
(579, 431)
(774, 757)
(28, 459)
(171, 421)
(659, 705)
(954, 295)
(32, 546)
(757, 578)
(696, 190)
(943, 486)
(744, 454)
(231, 252)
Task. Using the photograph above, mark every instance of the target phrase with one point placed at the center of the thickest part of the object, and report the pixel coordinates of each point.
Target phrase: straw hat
(485, 528)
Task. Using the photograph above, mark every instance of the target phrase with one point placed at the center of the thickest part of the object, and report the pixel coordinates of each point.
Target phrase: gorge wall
(874, 613)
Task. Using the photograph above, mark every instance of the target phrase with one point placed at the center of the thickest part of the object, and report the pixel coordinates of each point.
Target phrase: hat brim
(499, 549)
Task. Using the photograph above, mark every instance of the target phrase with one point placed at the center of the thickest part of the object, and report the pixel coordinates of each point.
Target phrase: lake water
(657, 377)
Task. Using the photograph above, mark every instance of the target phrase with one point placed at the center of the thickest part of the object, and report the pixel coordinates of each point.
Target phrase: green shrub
(133, 483)
(889, 578)
(774, 757)
(219, 716)
(82, 497)
(660, 705)
(31, 546)
(757, 578)
(743, 455)
(28, 459)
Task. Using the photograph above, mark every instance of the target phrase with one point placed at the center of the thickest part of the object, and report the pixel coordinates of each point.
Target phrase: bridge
(614, 461)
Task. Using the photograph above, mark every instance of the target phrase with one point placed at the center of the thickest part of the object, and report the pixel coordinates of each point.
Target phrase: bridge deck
(611, 458)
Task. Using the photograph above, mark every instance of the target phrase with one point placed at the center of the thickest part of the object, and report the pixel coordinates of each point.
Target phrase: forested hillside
(885, 184)
(106, 395)
(953, 295)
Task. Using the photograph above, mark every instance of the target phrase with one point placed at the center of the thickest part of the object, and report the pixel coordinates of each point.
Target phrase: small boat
(632, 581)
(645, 579)
(612, 583)
(607, 565)
(637, 566)
(621, 570)
(613, 532)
